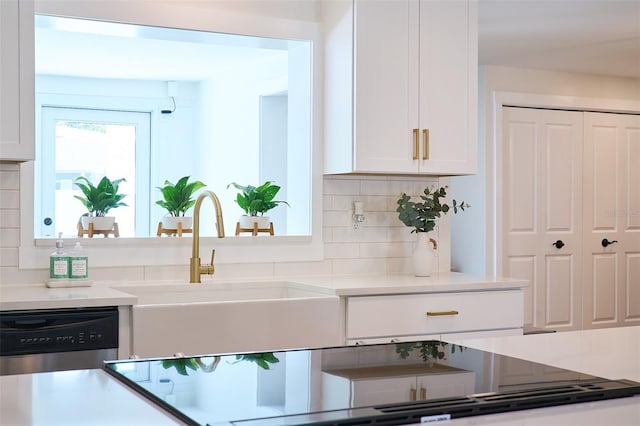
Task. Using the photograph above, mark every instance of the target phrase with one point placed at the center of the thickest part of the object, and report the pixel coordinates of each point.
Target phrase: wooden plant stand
(255, 230)
(91, 232)
(172, 232)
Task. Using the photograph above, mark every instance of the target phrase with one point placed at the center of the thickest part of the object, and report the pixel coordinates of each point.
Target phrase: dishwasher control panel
(58, 330)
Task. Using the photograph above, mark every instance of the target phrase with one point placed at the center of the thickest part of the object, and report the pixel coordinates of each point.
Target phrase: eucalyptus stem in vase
(422, 216)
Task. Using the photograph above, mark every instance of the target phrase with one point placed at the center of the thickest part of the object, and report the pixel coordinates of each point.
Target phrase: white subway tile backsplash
(363, 234)
(9, 219)
(9, 180)
(399, 265)
(242, 271)
(10, 199)
(382, 187)
(327, 235)
(336, 218)
(8, 257)
(122, 273)
(341, 251)
(289, 270)
(9, 237)
(359, 266)
(401, 233)
(344, 202)
(384, 219)
(327, 202)
(382, 250)
(334, 186)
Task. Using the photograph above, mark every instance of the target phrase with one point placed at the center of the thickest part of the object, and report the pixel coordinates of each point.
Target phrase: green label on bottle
(58, 267)
(78, 268)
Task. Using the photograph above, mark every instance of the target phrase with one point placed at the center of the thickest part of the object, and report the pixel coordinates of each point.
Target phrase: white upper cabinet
(401, 87)
(16, 81)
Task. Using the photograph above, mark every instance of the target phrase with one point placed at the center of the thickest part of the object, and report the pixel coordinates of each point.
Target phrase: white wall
(472, 232)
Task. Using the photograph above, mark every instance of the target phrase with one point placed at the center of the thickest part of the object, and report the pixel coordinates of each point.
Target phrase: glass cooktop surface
(395, 383)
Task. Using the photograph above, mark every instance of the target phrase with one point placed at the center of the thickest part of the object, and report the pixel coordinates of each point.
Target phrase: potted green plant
(422, 217)
(99, 200)
(177, 199)
(255, 202)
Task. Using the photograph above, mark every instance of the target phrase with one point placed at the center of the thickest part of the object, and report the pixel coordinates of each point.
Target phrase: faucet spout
(196, 269)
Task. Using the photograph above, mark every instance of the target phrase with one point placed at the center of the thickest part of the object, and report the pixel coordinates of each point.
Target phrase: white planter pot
(171, 222)
(246, 222)
(423, 255)
(104, 223)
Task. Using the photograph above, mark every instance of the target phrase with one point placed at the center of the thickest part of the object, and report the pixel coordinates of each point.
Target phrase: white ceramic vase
(246, 222)
(171, 222)
(423, 255)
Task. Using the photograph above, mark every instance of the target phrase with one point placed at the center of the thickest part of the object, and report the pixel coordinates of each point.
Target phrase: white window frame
(45, 192)
(117, 252)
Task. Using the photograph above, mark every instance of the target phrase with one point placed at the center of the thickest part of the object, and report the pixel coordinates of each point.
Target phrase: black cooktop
(388, 384)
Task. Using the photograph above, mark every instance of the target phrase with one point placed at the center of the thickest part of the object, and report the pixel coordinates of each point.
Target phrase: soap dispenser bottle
(78, 263)
(59, 262)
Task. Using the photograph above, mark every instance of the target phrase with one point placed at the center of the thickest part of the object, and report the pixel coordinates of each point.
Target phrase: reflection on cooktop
(393, 383)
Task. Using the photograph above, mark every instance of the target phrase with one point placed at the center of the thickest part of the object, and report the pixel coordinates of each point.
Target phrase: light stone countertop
(38, 296)
(77, 397)
(612, 353)
(365, 285)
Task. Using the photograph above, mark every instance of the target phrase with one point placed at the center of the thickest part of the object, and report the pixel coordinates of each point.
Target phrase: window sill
(114, 252)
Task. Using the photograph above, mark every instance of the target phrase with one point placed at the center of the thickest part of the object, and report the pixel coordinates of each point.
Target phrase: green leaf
(178, 197)
(257, 200)
(101, 198)
(421, 216)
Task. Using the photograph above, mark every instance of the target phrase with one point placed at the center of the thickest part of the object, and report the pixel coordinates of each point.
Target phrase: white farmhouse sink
(196, 319)
(224, 292)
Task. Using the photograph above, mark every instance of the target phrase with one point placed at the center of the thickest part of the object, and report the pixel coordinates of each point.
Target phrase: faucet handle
(210, 268)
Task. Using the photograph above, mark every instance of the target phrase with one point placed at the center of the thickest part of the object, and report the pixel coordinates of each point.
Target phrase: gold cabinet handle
(425, 152)
(441, 313)
(413, 395)
(423, 393)
(416, 144)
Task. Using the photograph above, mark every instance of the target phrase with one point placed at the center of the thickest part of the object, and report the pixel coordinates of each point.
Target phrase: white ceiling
(590, 36)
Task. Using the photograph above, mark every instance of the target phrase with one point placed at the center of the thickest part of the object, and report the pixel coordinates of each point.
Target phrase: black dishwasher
(33, 341)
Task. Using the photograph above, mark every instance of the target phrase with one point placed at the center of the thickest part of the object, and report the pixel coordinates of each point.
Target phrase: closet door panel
(541, 207)
(611, 214)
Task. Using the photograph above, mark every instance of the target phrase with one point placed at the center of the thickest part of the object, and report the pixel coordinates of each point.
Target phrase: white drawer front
(419, 314)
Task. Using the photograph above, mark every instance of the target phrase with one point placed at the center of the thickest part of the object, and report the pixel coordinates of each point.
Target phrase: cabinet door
(385, 86)
(387, 390)
(448, 86)
(445, 385)
(412, 72)
(16, 80)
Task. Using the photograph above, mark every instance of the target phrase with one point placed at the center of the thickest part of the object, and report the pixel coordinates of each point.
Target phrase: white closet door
(542, 199)
(612, 212)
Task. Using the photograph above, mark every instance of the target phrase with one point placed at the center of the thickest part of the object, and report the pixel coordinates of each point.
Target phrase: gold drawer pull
(425, 153)
(441, 313)
(423, 393)
(413, 395)
(416, 144)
